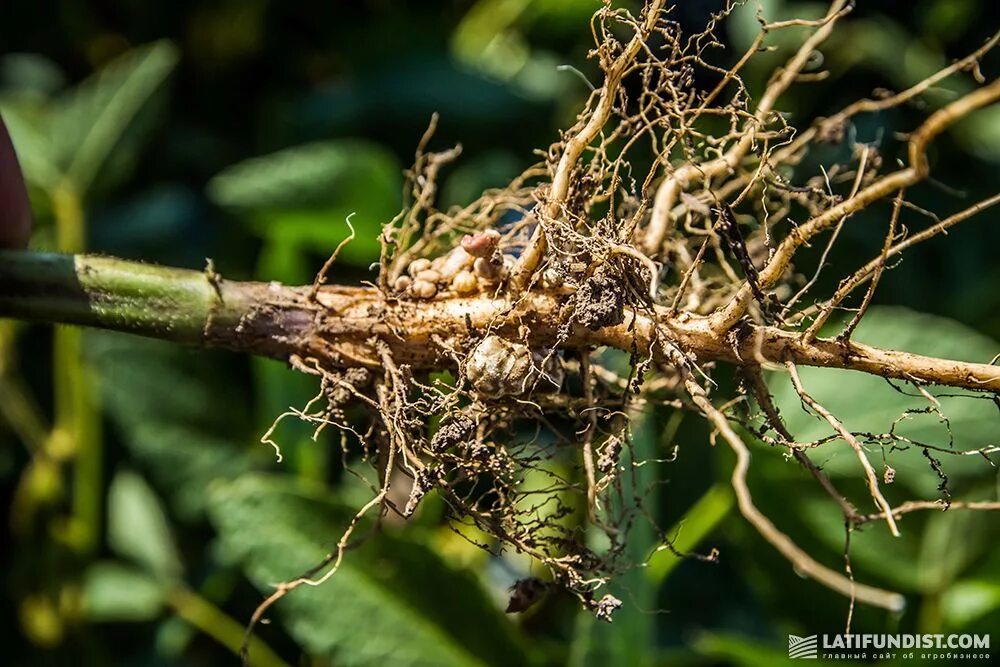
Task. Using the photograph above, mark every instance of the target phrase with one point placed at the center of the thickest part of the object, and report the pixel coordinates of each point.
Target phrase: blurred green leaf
(966, 601)
(734, 649)
(278, 389)
(866, 403)
(869, 545)
(743, 26)
(473, 177)
(284, 260)
(302, 176)
(138, 528)
(98, 126)
(300, 197)
(928, 554)
(629, 638)
(92, 134)
(697, 523)
(882, 45)
(173, 417)
(980, 133)
(392, 602)
(933, 550)
(26, 123)
(290, 233)
(413, 87)
(484, 37)
(952, 541)
(494, 38)
(492, 31)
(113, 592)
(30, 75)
(945, 20)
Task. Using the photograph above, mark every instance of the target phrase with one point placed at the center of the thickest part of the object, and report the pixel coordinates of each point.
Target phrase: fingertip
(15, 209)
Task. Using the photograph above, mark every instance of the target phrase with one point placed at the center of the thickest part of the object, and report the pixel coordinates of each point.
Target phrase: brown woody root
(341, 326)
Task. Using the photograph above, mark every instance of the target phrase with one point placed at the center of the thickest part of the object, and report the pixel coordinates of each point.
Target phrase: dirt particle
(455, 431)
(600, 301)
(424, 481)
(358, 378)
(606, 607)
(525, 593)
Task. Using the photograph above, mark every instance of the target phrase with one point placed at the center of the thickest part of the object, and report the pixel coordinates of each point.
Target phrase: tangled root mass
(531, 446)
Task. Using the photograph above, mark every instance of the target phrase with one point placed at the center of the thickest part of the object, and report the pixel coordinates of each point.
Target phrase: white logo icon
(802, 647)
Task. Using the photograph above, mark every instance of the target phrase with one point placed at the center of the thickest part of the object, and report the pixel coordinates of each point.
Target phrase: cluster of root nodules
(675, 194)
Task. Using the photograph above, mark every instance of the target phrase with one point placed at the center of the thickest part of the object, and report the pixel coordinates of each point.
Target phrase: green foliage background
(143, 519)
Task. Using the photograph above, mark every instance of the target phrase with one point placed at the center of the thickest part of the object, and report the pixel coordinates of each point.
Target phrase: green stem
(104, 293)
(71, 223)
(77, 410)
(21, 413)
(211, 620)
(181, 305)
(930, 618)
(76, 433)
